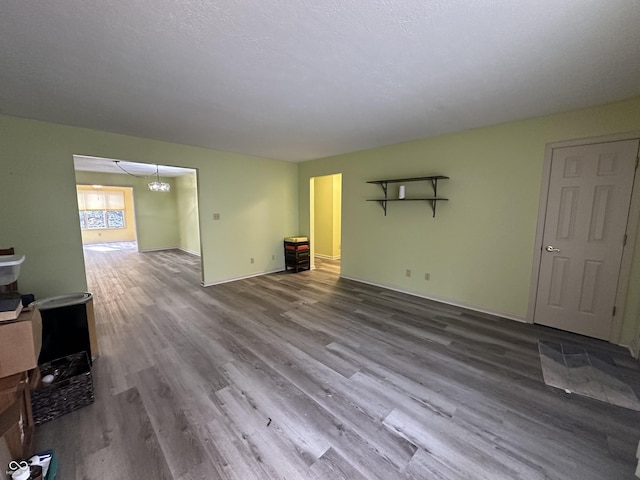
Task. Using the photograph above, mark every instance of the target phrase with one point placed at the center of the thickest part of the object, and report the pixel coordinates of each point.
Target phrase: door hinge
(637, 162)
(614, 311)
(624, 241)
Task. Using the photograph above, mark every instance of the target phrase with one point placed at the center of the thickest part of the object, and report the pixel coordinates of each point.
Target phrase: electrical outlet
(252, 260)
(216, 216)
(427, 276)
(273, 257)
(408, 273)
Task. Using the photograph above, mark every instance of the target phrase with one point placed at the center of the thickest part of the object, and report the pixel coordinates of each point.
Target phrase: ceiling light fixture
(159, 186)
(156, 186)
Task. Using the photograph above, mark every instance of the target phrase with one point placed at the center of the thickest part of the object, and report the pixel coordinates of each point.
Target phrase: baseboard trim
(160, 249)
(243, 277)
(190, 252)
(328, 257)
(634, 347)
(516, 318)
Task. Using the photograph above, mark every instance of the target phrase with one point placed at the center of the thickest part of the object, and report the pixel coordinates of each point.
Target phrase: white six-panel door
(584, 232)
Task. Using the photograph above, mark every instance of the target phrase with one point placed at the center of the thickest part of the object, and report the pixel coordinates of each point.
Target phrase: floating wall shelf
(433, 179)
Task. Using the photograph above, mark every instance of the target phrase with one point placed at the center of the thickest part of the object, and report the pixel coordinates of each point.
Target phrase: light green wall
(256, 197)
(479, 248)
(187, 203)
(323, 237)
(156, 212)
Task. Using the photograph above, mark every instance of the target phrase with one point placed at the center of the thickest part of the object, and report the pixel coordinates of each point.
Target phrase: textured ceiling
(304, 79)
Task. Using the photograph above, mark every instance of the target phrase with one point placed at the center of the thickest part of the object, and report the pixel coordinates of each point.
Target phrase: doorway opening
(325, 218)
(119, 209)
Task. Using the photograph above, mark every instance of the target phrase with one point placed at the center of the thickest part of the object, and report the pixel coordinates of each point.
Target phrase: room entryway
(584, 237)
(153, 206)
(326, 220)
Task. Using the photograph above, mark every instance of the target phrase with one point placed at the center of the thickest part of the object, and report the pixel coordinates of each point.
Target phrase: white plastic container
(10, 268)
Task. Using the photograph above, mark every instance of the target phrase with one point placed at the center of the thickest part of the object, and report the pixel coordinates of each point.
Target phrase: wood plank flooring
(309, 376)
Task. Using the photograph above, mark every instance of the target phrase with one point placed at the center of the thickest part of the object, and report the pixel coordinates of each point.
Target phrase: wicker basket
(71, 389)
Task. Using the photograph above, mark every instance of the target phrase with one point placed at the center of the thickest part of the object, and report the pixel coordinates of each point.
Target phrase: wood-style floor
(309, 376)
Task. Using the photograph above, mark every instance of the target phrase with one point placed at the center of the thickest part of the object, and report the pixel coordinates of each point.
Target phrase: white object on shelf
(401, 193)
(10, 268)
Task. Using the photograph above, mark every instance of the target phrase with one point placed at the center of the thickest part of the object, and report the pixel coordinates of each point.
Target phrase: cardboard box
(9, 405)
(16, 419)
(20, 343)
(5, 455)
(9, 389)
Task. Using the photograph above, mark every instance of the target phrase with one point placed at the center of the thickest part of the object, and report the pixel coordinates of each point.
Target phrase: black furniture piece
(297, 255)
(65, 327)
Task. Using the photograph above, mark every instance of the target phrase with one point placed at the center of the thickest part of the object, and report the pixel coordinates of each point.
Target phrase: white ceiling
(304, 79)
(106, 165)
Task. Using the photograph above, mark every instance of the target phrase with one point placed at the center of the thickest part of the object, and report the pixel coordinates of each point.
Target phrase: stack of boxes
(20, 342)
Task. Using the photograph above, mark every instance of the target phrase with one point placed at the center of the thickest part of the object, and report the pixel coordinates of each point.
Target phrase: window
(101, 210)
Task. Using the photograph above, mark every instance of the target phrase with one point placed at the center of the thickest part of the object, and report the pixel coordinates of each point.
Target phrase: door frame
(631, 230)
(312, 213)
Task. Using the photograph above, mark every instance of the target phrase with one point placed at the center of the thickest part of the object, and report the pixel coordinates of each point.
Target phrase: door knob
(550, 248)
